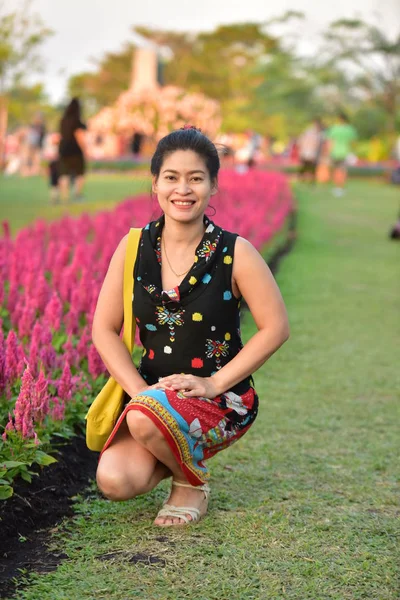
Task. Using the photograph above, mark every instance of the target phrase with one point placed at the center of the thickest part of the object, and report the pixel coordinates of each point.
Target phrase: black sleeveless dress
(193, 328)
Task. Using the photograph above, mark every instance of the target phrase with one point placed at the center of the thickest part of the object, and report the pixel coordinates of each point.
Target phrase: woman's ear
(214, 187)
(154, 184)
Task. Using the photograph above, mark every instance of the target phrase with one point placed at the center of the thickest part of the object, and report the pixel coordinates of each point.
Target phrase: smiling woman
(192, 394)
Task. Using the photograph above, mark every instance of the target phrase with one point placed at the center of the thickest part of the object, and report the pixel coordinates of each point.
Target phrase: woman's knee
(117, 486)
(141, 427)
(112, 484)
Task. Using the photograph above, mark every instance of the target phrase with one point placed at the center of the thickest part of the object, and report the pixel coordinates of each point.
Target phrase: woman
(72, 150)
(192, 394)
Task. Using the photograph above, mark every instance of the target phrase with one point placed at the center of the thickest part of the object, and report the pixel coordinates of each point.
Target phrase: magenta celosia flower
(42, 292)
(27, 319)
(82, 347)
(12, 357)
(23, 407)
(2, 360)
(53, 312)
(22, 361)
(95, 364)
(64, 387)
(40, 398)
(71, 354)
(27, 422)
(47, 352)
(34, 348)
(8, 427)
(72, 321)
(58, 410)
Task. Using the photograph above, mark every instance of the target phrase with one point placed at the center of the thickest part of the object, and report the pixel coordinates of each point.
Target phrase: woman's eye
(197, 179)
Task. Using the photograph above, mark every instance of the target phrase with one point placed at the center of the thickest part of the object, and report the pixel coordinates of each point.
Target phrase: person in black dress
(71, 163)
(192, 394)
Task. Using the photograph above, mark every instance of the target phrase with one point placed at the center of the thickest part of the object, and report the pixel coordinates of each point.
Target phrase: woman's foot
(195, 498)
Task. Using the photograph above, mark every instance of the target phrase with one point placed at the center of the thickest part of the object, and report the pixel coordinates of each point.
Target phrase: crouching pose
(193, 393)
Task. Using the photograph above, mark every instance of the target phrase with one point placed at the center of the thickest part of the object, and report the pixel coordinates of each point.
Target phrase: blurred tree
(103, 86)
(221, 63)
(218, 63)
(369, 120)
(259, 77)
(371, 59)
(24, 101)
(21, 35)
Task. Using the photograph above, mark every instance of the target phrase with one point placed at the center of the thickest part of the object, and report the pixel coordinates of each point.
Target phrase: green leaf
(11, 464)
(44, 459)
(26, 476)
(6, 491)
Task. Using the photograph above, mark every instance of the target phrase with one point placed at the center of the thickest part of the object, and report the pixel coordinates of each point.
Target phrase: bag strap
(129, 265)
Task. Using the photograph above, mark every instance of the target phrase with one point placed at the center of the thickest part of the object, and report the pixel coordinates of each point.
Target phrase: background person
(72, 150)
(341, 137)
(33, 145)
(310, 144)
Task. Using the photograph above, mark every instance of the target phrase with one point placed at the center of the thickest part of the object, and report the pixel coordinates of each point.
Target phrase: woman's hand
(189, 385)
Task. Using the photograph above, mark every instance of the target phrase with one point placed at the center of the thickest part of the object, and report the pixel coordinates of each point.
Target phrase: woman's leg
(79, 182)
(64, 188)
(145, 432)
(126, 469)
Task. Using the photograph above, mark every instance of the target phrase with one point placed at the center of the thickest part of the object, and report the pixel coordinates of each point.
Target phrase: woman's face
(184, 186)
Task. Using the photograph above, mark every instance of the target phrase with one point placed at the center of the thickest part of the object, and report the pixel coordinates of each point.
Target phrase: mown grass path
(306, 505)
(22, 200)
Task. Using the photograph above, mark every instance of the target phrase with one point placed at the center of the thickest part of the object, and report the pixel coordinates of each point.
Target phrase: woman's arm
(107, 323)
(254, 281)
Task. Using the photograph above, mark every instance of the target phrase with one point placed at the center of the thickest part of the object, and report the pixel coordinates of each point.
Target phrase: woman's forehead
(183, 161)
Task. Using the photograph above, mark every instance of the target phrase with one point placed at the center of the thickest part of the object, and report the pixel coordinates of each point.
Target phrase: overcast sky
(88, 28)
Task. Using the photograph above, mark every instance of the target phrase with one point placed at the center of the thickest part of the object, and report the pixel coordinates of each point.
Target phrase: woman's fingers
(194, 392)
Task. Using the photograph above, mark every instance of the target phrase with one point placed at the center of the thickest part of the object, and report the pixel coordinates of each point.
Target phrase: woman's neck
(183, 234)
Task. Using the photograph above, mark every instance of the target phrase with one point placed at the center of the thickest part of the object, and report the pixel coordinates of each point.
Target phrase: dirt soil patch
(25, 519)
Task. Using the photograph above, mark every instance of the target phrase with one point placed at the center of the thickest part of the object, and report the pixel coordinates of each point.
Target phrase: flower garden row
(50, 277)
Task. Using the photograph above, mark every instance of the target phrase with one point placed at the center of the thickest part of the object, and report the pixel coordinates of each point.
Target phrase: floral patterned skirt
(195, 428)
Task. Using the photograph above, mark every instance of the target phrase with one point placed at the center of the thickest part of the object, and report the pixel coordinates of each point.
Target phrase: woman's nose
(183, 187)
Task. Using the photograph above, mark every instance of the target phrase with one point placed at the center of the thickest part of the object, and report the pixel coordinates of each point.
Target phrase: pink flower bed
(50, 277)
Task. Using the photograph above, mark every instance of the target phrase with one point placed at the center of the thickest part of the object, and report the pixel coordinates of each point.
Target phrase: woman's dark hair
(342, 115)
(73, 110)
(188, 138)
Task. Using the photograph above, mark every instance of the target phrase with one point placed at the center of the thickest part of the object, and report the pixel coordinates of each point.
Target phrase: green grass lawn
(306, 505)
(22, 200)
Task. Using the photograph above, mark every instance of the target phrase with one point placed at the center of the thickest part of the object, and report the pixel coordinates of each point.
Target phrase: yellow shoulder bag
(108, 405)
